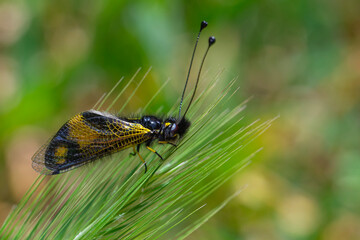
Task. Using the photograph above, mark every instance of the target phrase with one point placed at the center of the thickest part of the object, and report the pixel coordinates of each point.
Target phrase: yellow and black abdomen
(86, 137)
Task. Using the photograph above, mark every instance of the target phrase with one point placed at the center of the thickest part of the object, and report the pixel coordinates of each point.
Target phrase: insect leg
(154, 151)
(133, 153)
(137, 152)
(172, 144)
(137, 149)
(165, 142)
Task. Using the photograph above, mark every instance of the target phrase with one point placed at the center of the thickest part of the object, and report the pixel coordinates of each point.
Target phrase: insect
(91, 135)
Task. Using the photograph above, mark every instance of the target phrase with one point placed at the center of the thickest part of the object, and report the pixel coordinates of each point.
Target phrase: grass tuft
(114, 199)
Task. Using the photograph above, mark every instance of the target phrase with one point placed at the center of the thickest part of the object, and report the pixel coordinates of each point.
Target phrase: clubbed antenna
(212, 40)
(202, 26)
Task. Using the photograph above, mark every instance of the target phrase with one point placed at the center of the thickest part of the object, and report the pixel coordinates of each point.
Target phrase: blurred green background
(299, 59)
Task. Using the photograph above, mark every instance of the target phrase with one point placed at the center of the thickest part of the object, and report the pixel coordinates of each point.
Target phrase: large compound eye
(174, 128)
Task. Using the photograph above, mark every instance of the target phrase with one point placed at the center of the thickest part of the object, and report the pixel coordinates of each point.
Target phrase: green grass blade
(113, 198)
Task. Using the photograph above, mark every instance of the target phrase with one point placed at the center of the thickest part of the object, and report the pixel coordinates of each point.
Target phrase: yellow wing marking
(60, 154)
(79, 131)
(118, 134)
(61, 151)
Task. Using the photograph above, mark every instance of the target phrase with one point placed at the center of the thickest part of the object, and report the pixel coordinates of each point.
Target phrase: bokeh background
(299, 59)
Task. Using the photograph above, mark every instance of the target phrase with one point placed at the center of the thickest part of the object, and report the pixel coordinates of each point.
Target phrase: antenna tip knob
(212, 40)
(203, 25)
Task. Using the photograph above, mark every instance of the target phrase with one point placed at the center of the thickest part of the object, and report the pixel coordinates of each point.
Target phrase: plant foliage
(114, 199)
